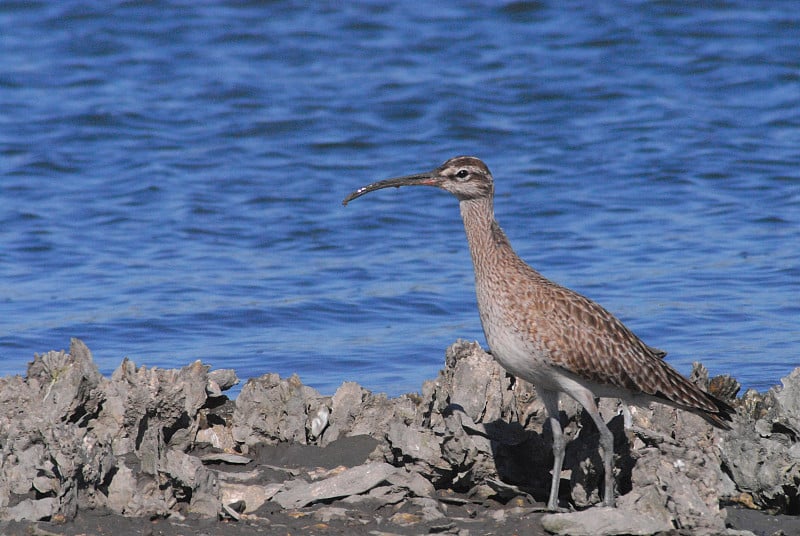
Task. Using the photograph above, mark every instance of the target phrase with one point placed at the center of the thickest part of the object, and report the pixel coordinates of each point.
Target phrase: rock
(217, 436)
(188, 473)
(430, 509)
(326, 514)
(253, 496)
(463, 420)
(149, 498)
(602, 521)
(355, 411)
(346, 404)
(121, 490)
(317, 425)
(678, 478)
(213, 389)
(232, 511)
(128, 444)
(473, 381)
(787, 400)
(384, 495)
(352, 481)
(270, 409)
(415, 483)
(499, 516)
(94, 442)
(724, 387)
(763, 451)
(224, 457)
(45, 484)
(419, 450)
(223, 378)
(489, 435)
(151, 410)
(405, 519)
(69, 382)
(33, 510)
(45, 445)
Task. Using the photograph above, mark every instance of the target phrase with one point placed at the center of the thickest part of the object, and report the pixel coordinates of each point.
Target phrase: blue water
(171, 177)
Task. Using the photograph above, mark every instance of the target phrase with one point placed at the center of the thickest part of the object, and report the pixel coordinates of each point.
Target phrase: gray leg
(606, 443)
(550, 400)
(626, 415)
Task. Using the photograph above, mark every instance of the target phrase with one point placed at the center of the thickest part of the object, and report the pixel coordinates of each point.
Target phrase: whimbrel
(549, 335)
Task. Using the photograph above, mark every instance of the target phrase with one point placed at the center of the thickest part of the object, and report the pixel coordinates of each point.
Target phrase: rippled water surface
(172, 176)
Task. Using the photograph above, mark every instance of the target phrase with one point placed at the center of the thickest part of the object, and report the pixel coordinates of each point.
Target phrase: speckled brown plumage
(574, 333)
(544, 333)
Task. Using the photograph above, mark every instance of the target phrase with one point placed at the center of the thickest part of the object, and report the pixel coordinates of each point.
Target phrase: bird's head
(466, 177)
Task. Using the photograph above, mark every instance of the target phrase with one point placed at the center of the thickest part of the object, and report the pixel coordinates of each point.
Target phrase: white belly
(523, 358)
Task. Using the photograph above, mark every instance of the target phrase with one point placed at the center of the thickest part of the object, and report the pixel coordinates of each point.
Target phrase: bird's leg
(627, 417)
(550, 400)
(606, 443)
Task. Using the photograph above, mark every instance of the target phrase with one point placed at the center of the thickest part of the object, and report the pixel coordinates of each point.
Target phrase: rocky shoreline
(156, 451)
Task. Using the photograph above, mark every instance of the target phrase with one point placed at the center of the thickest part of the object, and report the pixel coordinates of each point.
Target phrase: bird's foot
(552, 509)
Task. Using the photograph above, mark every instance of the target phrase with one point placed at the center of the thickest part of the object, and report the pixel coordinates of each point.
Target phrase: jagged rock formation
(168, 442)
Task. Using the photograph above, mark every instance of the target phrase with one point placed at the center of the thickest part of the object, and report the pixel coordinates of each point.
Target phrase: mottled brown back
(585, 339)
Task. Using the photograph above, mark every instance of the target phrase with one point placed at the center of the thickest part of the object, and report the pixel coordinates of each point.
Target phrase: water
(172, 176)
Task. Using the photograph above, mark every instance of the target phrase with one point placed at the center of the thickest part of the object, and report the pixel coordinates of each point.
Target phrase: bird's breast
(516, 347)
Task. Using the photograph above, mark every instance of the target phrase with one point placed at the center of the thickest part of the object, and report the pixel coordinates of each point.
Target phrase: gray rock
(352, 481)
(453, 433)
(475, 382)
(45, 484)
(430, 509)
(70, 383)
(151, 410)
(224, 457)
(73, 449)
(787, 402)
(218, 436)
(224, 378)
(270, 410)
(415, 483)
(603, 521)
(121, 490)
(384, 495)
(188, 472)
(253, 496)
(419, 449)
(762, 453)
(149, 498)
(125, 443)
(45, 444)
(345, 405)
(676, 478)
(317, 422)
(326, 514)
(356, 411)
(33, 510)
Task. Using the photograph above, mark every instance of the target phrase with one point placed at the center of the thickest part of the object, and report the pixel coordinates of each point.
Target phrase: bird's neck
(487, 241)
(493, 257)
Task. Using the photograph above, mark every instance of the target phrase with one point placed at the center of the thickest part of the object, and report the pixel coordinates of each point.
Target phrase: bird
(551, 336)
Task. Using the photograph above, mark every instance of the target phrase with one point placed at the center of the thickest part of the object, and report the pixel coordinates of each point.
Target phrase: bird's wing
(585, 339)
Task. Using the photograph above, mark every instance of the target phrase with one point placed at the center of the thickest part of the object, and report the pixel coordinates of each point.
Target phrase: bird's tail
(689, 397)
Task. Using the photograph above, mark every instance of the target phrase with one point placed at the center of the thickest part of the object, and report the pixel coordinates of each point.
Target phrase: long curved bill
(429, 178)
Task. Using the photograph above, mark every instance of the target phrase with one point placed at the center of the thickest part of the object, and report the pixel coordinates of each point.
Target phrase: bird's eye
(462, 174)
